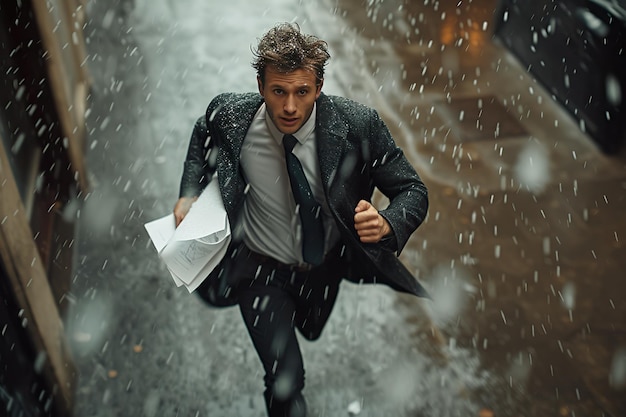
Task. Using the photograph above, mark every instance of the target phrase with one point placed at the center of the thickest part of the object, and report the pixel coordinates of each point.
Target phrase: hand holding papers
(197, 246)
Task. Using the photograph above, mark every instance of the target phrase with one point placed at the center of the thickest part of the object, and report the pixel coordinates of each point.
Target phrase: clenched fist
(369, 224)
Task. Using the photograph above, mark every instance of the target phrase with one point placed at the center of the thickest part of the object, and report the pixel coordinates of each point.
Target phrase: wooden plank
(76, 16)
(29, 282)
(67, 78)
(75, 20)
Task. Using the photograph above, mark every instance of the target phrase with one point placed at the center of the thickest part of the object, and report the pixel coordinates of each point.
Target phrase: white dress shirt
(271, 223)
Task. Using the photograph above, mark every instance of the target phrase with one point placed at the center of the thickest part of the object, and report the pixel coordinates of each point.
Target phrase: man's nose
(290, 104)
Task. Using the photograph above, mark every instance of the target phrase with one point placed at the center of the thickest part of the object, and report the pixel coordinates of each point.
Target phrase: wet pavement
(522, 249)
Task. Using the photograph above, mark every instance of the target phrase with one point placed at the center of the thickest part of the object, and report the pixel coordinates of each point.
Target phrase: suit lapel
(331, 134)
(233, 120)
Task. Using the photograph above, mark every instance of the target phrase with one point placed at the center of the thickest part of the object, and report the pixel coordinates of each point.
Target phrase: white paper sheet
(187, 258)
(161, 231)
(197, 246)
(206, 216)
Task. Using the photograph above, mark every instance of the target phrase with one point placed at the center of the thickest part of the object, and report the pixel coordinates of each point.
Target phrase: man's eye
(278, 92)
(303, 92)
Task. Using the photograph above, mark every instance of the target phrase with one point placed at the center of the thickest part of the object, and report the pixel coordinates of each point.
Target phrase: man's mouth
(289, 121)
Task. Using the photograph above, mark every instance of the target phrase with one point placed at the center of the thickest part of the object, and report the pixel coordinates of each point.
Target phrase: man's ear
(318, 89)
(260, 85)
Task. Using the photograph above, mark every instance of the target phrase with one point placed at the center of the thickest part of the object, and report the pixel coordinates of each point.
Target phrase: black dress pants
(274, 300)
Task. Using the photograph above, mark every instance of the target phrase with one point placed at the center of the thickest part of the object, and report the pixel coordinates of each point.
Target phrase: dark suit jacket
(356, 153)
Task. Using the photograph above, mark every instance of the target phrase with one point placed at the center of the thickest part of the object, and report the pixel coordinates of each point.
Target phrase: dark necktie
(310, 210)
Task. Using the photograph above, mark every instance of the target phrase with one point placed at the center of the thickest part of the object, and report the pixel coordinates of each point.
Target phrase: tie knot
(289, 141)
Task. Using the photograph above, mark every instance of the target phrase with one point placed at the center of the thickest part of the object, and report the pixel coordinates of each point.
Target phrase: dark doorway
(23, 392)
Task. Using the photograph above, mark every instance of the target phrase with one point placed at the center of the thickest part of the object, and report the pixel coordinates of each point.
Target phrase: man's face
(289, 97)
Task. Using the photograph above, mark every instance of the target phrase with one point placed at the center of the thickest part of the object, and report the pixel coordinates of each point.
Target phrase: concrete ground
(522, 249)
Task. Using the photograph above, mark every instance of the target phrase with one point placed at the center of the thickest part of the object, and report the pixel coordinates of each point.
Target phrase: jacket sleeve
(196, 169)
(396, 178)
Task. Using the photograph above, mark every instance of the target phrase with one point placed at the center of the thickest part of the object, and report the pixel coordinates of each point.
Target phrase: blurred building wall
(575, 48)
(43, 90)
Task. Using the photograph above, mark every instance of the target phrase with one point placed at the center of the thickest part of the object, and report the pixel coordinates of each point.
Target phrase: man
(296, 170)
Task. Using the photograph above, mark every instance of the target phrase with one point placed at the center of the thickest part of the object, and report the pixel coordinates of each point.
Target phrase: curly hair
(287, 49)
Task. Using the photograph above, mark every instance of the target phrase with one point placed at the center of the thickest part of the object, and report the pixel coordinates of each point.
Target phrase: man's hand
(182, 208)
(370, 226)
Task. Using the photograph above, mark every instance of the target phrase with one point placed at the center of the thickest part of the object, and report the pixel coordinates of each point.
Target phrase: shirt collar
(302, 135)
